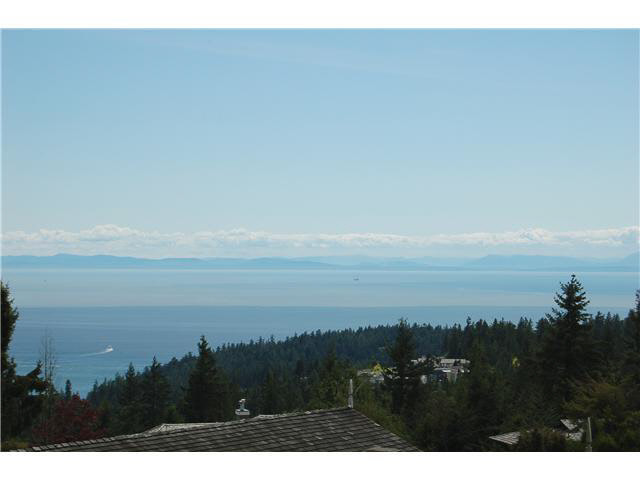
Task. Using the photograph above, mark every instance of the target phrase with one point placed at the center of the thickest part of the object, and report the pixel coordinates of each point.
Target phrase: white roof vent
(241, 411)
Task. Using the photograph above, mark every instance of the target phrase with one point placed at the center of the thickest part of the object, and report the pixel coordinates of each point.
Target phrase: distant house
(452, 362)
(569, 428)
(374, 375)
(445, 369)
(334, 430)
(448, 369)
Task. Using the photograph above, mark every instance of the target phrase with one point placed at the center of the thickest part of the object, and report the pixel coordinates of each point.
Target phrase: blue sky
(166, 143)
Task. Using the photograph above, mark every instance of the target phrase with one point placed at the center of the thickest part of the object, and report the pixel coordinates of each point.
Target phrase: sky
(310, 142)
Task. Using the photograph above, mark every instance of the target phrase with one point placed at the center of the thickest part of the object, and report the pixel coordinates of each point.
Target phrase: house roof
(569, 424)
(510, 438)
(573, 433)
(341, 429)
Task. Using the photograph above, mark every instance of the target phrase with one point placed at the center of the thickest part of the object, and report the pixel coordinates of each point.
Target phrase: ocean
(100, 320)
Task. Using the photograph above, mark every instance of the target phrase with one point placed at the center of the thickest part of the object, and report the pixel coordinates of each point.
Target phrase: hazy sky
(165, 143)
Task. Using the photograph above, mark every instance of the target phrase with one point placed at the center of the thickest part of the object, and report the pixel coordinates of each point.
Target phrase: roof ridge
(232, 423)
(299, 412)
(251, 419)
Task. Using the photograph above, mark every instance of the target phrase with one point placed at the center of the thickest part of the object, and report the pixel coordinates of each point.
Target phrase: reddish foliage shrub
(72, 420)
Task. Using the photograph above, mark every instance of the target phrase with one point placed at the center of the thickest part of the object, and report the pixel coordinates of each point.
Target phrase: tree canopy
(22, 395)
(207, 397)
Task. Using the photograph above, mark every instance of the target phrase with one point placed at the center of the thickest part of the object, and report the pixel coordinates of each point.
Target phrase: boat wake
(109, 349)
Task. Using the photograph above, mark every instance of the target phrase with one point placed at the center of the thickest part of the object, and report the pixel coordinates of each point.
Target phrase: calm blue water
(143, 313)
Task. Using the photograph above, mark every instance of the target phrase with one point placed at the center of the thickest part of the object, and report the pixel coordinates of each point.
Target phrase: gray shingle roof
(572, 426)
(510, 438)
(341, 429)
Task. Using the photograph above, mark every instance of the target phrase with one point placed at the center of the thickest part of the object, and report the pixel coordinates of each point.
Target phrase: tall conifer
(67, 390)
(632, 352)
(403, 378)
(207, 395)
(130, 413)
(21, 394)
(155, 395)
(568, 353)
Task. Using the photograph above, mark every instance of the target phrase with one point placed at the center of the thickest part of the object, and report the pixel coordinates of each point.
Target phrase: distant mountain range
(630, 263)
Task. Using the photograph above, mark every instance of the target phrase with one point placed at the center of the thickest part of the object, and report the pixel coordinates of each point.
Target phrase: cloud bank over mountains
(117, 240)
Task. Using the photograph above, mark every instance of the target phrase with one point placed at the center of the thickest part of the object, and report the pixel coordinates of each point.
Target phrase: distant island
(630, 263)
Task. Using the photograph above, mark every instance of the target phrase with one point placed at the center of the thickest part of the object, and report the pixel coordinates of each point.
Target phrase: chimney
(350, 400)
(241, 411)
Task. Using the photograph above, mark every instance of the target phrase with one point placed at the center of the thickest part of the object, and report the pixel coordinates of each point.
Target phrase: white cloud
(113, 239)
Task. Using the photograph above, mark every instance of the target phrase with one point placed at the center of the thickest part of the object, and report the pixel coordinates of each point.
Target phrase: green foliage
(615, 419)
(173, 415)
(631, 360)
(568, 352)
(551, 379)
(129, 417)
(22, 397)
(485, 397)
(207, 398)
(154, 396)
(403, 378)
(544, 440)
(272, 400)
(9, 318)
(330, 386)
(374, 402)
(67, 390)
(444, 426)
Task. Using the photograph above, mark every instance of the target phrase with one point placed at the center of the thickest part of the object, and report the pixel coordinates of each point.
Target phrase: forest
(524, 376)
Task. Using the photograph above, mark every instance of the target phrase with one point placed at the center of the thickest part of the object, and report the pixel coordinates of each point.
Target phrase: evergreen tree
(155, 395)
(129, 418)
(21, 394)
(615, 421)
(444, 425)
(631, 358)
(105, 418)
(271, 393)
(567, 353)
(67, 390)
(207, 397)
(484, 401)
(403, 378)
(9, 318)
(329, 388)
